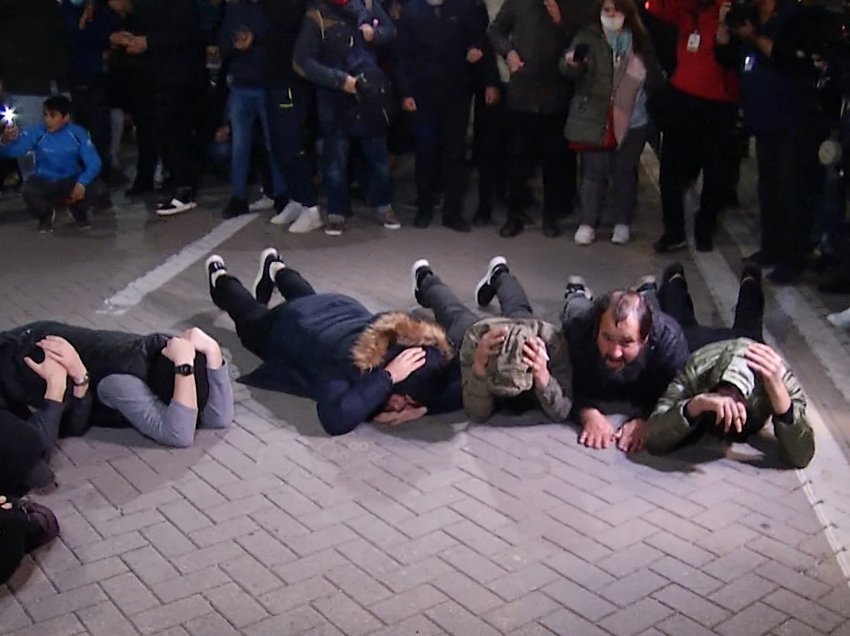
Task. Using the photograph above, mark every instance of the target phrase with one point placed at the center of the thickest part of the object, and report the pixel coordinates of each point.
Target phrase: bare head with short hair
(623, 325)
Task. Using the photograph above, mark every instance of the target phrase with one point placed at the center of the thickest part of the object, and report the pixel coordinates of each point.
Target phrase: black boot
(511, 228)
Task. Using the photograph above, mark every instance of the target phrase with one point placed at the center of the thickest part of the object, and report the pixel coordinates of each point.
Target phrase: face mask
(612, 23)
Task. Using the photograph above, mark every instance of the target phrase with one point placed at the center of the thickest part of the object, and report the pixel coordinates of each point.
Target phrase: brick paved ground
(439, 527)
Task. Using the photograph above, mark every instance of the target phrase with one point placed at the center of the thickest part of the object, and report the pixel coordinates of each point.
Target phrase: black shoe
(551, 229)
(483, 216)
(761, 258)
(669, 243)
(704, 243)
(511, 228)
(485, 290)
(838, 285)
(43, 527)
(455, 222)
(214, 265)
(264, 283)
(784, 275)
(671, 271)
(577, 285)
(81, 219)
(45, 224)
(423, 218)
(418, 271)
(751, 271)
(235, 207)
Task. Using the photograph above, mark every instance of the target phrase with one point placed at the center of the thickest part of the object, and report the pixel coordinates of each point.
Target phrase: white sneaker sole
(491, 267)
(178, 208)
(422, 262)
(283, 217)
(269, 251)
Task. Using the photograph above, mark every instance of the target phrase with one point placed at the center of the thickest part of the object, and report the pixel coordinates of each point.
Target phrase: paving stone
(107, 620)
(461, 589)
(804, 610)
(521, 611)
(346, 614)
(678, 625)
(169, 541)
(264, 547)
(88, 573)
(205, 557)
(288, 598)
(309, 566)
(65, 602)
(251, 575)
(60, 626)
(12, 615)
(636, 618)
(756, 619)
(563, 621)
(407, 604)
(295, 621)
(192, 583)
(237, 607)
(794, 627)
(165, 616)
(210, 625)
(410, 576)
(472, 564)
(149, 565)
(129, 593)
(357, 584)
(457, 620)
(418, 625)
(516, 584)
(185, 516)
(743, 592)
(587, 604)
(633, 587)
(111, 547)
(734, 564)
(532, 629)
(691, 605)
(629, 559)
(799, 583)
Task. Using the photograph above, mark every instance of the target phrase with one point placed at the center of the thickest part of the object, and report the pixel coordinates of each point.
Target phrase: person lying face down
(357, 365)
(44, 394)
(732, 388)
(163, 386)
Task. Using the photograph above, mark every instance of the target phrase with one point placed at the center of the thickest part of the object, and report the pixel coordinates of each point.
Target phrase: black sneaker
(45, 224)
(455, 222)
(669, 243)
(235, 207)
(511, 228)
(81, 219)
(576, 285)
(418, 271)
(484, 290)
(215, 269)
(174, 206)
(264, 283)
(671, 271)
(751, 271)
(784, 275)
(43, 527)
(551, 229)
(761, 258)
(423, 218)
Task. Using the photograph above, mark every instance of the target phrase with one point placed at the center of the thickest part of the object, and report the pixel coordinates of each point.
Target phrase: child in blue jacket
(66, 164)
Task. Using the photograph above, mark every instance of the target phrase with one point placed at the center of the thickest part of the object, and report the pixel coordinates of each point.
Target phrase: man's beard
(627, 373)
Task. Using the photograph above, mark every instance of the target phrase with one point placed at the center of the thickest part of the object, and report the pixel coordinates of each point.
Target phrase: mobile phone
(580, 53)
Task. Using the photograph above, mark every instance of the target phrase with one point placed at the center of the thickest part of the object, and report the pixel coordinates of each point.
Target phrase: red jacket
(697, 72)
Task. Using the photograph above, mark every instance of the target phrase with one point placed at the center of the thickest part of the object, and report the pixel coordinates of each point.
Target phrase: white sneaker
(622, 234)
(175, 206)
(585, 235)
(262, 204)
(288, 214)
(840, 319)
(309, 220)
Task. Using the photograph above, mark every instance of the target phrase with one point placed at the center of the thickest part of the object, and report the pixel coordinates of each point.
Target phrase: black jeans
(455, 317)
(254, 321)
(91, 111)
(534, 134)
(16, 528)
(675, 300)
(41, 195)
(440, 130)
(176, 121)
(700, 136)
(789, 181)
(288, 109)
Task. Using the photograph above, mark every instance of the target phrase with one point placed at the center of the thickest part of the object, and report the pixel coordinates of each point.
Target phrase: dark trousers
(288, 108)
(254, 320)
(16, 530)
(491, 150)
(455, 317)
(788, 184)
(532, 135)
(440, 131)
(175, 113)
(91, 111)
(675, 300)
(42, 195)
(140, 105)
(699, 136)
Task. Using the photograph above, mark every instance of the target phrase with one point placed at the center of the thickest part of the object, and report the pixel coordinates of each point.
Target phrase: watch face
(184, 369)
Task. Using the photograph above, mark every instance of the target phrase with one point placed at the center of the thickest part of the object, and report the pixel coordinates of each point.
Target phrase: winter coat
(720, 362)
(87, 45)
(68, 152)
(596, 82)
(525, 26)
(285, 18)
(332, 349)
(666, 352)
(248, 68)
(432, 45)
(33, 50)
(330, 47)
(479, 399)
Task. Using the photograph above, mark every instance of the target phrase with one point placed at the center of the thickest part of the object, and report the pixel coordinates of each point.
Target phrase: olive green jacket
(479, 402)
(668, 426)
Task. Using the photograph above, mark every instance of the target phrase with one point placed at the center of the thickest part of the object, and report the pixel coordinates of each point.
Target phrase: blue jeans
(245, 107)
(336, 149)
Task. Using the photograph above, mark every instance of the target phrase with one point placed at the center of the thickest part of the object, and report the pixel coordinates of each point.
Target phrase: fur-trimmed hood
(396, 328)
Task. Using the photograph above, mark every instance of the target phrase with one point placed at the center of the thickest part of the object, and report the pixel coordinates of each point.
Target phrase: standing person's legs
(425, 129)
(769, 157)
(91, 111)
(253, 320)
(241, 106)
(379, 192)
(715, 142)
(512, 298)
(451, 314)
(291, 284)
(595, 170)
(677, 166)
(559, 170)
(490, 152)
(455, 120)
(276, 174)
(336, 147)
(287, 114)
(142, 111)
(624, 175)
(520, 166)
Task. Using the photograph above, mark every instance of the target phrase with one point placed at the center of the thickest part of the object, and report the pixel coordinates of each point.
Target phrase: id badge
(693, 42)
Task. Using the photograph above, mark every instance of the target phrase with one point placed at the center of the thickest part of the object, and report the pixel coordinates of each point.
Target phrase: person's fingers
(582, 439)
(32, 364)
(6, 506)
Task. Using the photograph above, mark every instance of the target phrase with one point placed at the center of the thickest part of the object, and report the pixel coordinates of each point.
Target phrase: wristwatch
(83, 381)
(184, 369)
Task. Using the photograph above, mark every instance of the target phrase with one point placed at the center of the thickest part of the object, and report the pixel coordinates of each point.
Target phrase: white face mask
(612, 23)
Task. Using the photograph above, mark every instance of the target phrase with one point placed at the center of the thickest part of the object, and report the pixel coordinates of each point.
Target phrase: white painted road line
(825, 479)
(134, 293)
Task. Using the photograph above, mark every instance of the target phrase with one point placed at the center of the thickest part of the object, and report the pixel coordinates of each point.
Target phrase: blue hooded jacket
(66, 153)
